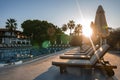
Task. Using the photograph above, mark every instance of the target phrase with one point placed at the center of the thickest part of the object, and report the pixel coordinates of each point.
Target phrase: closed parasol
(101, 23)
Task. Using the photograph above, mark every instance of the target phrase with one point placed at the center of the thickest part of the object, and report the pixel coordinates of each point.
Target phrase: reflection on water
(8, 55)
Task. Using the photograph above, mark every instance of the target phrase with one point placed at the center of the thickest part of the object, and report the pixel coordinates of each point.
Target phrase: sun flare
(87, 31)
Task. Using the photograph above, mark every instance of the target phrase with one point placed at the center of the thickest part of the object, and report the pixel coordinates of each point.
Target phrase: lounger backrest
(98, 54)
(89, 50)
(85, 47)
(92, 51)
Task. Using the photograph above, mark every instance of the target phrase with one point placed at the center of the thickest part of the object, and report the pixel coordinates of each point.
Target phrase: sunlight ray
(85, 23)
(80, 12)
(92, 44)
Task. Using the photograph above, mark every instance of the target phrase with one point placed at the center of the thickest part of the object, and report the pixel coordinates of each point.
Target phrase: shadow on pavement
(73, 74)
(117, 53)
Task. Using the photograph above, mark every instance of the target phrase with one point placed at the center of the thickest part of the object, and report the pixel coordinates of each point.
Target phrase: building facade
(13, 38)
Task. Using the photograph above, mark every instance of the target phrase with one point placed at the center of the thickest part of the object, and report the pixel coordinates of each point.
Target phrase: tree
(114, 38)
(51, 32)
(40, 31)
(64, 27)
(58, 34)
(78, 29)
(71, 25)
(77, 38)
(11, 24)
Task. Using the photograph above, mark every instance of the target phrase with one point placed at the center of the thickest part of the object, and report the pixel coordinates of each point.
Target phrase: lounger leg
(93, 70)
(62, 69)
(110, 72)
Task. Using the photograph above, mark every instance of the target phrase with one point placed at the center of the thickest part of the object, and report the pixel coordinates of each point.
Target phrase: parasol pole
(105, 41)
(101, 41)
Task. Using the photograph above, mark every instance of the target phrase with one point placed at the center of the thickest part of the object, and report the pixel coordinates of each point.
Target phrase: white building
(13, 38)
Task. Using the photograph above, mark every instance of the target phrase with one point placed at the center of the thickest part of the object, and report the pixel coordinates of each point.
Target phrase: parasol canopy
(101, 23)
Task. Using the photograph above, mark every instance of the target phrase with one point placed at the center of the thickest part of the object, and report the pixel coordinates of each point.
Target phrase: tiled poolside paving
(43, 70)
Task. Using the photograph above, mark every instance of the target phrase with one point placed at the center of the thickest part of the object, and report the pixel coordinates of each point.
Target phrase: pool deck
(42, 69)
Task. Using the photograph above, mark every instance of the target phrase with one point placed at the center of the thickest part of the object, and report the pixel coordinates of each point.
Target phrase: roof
(4, 29)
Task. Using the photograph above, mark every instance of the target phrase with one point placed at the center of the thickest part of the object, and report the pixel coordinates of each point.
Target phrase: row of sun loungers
(79, 55)
(85, 61)
(77, 50)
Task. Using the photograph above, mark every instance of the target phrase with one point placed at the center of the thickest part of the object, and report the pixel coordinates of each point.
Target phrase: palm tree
(78, 29)
(64, 27)
(71, 25)
(11, 24)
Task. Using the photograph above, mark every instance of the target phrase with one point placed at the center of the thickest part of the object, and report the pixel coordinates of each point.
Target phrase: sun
(85, 22)
(87, 31)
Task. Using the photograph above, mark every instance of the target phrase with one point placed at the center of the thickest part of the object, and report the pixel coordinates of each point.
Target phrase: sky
(59, 12)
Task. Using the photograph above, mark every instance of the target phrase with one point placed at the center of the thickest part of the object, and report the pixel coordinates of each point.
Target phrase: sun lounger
(86, 55)
(78, 53)
(89, 52)
(74, 57)
(84, 49)
(94, 62)
(77, 50)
